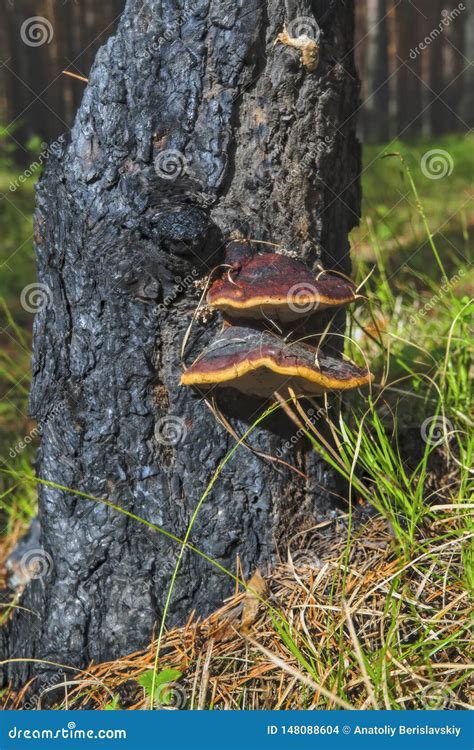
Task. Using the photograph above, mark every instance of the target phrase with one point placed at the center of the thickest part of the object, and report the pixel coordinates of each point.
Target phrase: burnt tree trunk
(263, 147)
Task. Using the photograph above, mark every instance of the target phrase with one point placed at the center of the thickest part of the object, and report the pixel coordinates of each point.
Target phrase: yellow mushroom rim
(280, 301)
(227, 374)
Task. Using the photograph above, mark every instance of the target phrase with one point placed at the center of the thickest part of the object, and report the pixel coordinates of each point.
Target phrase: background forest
(407, 90)
(412, 448)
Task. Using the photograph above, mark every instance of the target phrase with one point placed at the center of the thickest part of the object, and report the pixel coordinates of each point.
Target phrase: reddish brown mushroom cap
(275, 286)
(258, 363)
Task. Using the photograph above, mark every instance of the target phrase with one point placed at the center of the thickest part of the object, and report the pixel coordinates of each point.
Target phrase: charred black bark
(263, 147)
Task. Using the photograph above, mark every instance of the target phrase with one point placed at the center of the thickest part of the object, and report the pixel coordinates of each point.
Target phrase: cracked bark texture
(269, 150)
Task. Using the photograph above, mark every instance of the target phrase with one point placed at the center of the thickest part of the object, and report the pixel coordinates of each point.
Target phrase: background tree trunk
(375, 120)
(37, 98)
(264, 147)
(409, 32)
(432, 59)
(467, 101)
(455, 63)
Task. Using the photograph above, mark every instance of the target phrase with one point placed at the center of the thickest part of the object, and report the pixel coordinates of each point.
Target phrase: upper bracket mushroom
(270, 285)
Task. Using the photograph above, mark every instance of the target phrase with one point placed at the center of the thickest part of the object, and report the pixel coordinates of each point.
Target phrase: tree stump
(194, 127)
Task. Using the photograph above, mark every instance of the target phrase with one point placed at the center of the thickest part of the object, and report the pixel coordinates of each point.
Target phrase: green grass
(17, 269)
(422, 343)
(17, 262)
(391, 221)
(406, 450)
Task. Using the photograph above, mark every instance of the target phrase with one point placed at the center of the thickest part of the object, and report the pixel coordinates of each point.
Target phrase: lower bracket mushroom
(259, 363)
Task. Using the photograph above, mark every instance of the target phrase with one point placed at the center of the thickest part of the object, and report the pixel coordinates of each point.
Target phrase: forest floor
(370, 610)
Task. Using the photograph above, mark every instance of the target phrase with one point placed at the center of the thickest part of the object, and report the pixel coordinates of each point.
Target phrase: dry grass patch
(350, 624)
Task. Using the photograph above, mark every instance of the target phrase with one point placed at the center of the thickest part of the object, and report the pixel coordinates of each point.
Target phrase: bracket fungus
(259, 363)
(270, 285)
